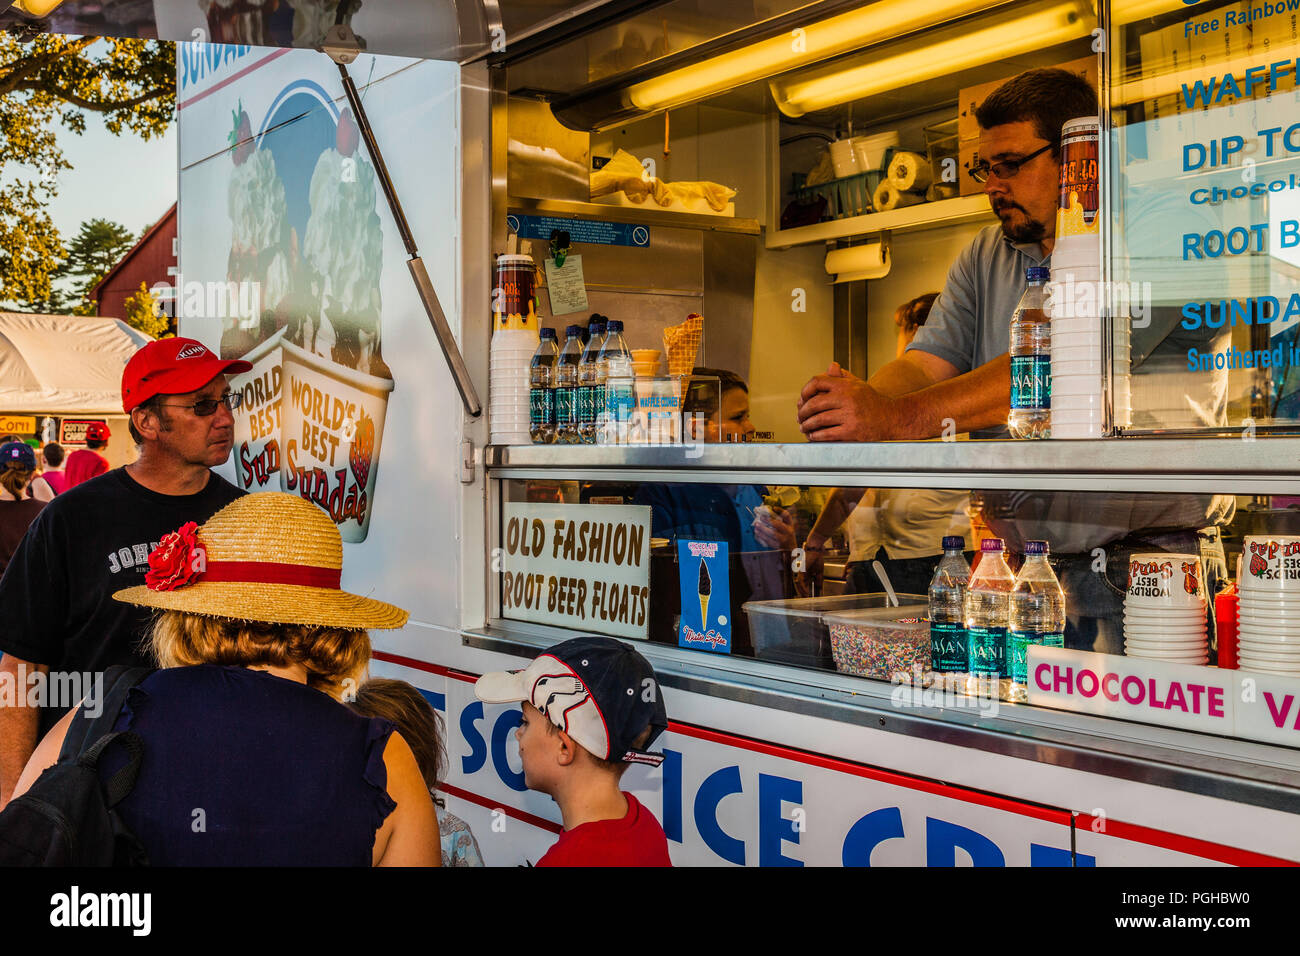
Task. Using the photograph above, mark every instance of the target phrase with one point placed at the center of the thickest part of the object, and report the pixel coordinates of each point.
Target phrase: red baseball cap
(172, 367)
(98, 431)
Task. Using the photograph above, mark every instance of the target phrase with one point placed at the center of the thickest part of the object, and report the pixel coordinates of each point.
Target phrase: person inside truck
(955, 375)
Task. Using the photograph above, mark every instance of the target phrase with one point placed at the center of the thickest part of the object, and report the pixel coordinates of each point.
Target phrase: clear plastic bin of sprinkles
(886, 643)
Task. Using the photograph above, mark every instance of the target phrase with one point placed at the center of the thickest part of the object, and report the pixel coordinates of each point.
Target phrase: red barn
(152, 260)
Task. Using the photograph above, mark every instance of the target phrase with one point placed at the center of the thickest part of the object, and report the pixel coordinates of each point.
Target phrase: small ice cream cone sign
(705, 591)
(704, 579)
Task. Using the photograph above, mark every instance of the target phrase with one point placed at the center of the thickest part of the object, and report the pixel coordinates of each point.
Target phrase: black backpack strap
(120, 784)
(84, 730)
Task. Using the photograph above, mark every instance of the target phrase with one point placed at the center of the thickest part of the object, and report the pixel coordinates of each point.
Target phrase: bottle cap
(992, 544)
(1037, 547)
(953, 541)
(572, 330)
(1038, 273)
(596, 326)
(548, 334)
(614, 325)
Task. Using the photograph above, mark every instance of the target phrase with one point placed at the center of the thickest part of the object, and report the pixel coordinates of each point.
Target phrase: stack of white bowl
(1080, 301)
(509, 358)
(1268, 610)
(1164, 610)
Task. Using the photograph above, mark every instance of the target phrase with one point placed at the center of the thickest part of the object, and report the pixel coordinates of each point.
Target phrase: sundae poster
(289, 257)
(706, 596)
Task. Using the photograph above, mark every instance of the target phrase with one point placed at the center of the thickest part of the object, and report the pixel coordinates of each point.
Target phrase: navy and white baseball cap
(599, 691)
(19, 453)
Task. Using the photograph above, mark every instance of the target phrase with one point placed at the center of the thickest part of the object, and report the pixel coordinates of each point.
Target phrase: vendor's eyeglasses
(1003, 170)
(208, 406)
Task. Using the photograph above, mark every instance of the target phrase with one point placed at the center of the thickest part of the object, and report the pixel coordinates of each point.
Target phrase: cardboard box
(967, 154)
(969, 99)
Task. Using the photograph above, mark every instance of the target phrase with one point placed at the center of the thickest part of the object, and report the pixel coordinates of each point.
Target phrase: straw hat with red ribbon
(269, 557)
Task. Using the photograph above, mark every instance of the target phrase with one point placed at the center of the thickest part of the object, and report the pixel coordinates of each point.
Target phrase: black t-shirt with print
(56, 596)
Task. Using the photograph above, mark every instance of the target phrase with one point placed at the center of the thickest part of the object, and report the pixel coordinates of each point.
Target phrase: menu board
(582, 567)
(1205, 186)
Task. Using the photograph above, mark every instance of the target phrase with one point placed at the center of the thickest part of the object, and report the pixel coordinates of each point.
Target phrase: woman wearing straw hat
(249, 756)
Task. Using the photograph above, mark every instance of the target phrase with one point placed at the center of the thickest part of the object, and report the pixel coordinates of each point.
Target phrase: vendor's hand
(808, 582)
(774, 529)
(839, 406)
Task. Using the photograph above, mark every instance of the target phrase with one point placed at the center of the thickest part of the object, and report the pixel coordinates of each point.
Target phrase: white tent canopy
(64, 363)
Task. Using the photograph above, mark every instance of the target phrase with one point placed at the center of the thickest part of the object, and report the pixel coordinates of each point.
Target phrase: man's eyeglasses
(1003, 170)
(208, 406)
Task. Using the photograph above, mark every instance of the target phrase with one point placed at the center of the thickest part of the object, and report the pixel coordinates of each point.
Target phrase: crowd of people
(221, 615)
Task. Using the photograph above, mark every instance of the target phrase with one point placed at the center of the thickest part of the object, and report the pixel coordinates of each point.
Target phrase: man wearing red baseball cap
(95, 538)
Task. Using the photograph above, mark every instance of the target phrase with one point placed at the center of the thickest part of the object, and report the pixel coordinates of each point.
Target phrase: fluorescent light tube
(873, 23)
(938, 53)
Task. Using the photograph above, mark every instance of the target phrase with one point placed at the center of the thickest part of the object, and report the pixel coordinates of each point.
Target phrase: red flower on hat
(178, 560)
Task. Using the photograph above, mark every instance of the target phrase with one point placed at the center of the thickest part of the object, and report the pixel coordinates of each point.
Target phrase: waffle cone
(682, 343)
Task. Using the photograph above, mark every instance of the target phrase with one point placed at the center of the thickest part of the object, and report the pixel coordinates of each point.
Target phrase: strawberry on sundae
(344, 250)
(260, 242)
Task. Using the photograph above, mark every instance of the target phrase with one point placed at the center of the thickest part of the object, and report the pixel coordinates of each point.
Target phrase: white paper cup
(1267, 667)
(1158, 579)
(1066, 324)
(1271, 563)
(1077, 386)
(844, 159)
(1072, 431)
(1064, 367)
(1270, 652)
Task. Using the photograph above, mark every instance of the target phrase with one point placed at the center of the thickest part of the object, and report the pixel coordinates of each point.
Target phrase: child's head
(590, 707)
(418, 723)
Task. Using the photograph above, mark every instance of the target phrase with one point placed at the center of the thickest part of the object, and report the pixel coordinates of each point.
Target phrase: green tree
(93, 251)
(143, 313)
(48, 79)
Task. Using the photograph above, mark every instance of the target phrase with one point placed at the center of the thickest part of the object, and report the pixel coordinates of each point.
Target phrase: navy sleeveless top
(243, 768)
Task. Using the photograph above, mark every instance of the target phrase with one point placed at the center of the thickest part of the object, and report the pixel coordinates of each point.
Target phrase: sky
(121, 178)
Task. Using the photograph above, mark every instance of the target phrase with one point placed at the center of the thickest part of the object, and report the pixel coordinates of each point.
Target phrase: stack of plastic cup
(510, 356)
(1078, 299)
(1268, 607)
(1164, 610)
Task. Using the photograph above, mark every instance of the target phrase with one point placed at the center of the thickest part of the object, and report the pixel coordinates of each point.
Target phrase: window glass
(791, 575)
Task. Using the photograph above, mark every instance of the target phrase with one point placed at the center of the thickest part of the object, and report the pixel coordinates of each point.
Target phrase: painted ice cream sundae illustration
(300, 23)
(260, 242)
(705, 589)
(344, 250)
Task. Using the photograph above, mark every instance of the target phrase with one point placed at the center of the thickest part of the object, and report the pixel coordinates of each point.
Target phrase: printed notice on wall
(583, 567)
(566, 286)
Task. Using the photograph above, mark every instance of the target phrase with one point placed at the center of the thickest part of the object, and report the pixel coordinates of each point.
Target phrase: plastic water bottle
(541, 390)
(987, 613)
(948, 650)
(566, 387)
(616, 359)
(591, 384)
(1037, 614)
(1031, 360)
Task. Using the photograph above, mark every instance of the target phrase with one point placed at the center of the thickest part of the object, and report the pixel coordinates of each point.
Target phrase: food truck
(753, 190)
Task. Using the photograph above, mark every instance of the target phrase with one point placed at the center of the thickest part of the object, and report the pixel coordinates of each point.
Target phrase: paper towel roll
(888, 196)
(910, 172)
(867, 261)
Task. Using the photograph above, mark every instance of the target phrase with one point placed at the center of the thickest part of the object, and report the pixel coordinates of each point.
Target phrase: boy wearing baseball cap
(591, 707)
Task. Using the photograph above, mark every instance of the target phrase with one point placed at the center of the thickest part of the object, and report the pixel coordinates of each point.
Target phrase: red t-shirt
(635, 840)
(82, 465)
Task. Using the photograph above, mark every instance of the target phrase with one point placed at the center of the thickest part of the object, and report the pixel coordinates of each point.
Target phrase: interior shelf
(926, 215)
